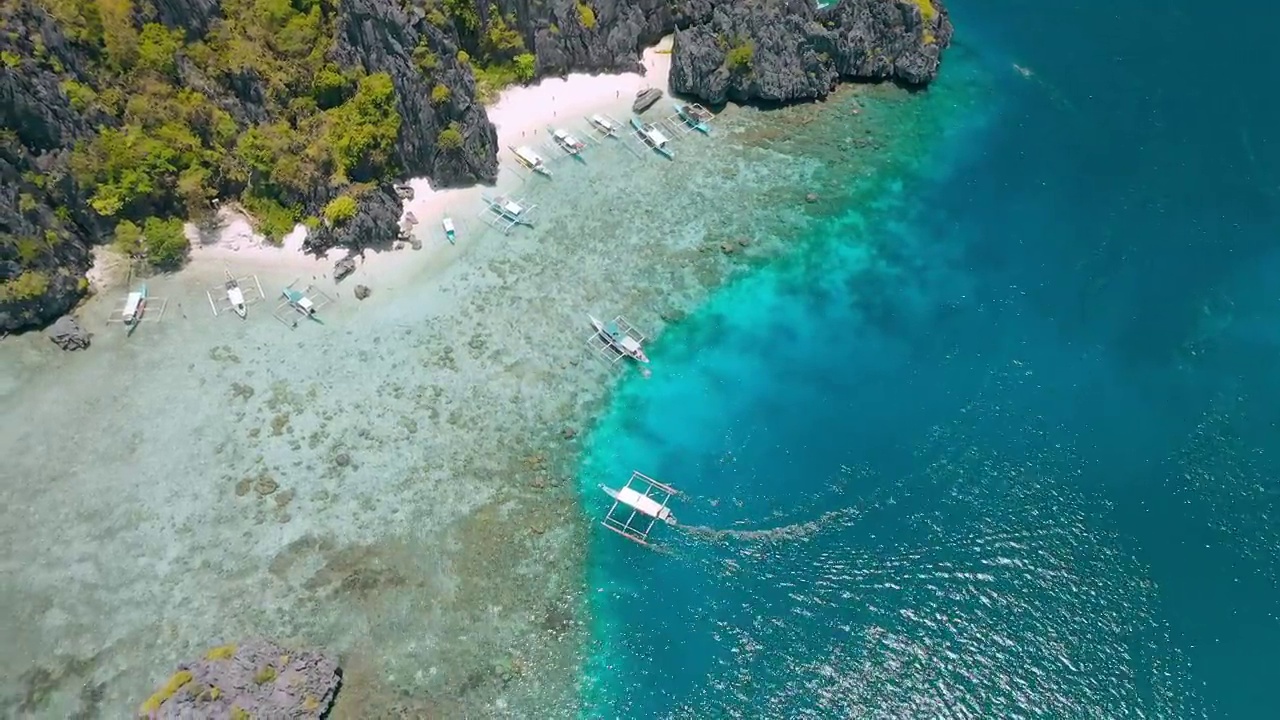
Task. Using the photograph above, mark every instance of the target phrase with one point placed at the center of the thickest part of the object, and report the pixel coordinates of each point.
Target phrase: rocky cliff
(788, 50)
(122, 110)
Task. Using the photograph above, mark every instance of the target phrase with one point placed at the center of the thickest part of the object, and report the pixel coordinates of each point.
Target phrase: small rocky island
(253, 679)
(119, 131)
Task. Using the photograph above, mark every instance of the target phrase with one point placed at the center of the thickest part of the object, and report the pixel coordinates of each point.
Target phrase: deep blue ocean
(999, 438)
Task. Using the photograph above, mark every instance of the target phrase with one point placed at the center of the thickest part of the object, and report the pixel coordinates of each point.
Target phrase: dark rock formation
(343, 268)
(67, 334)
(786, 50)
(362, 292)
(379, 36)
(259, 678)
(645, 99)
(375, 226)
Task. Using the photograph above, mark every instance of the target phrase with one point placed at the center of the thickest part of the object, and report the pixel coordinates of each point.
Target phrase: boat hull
(692, 121)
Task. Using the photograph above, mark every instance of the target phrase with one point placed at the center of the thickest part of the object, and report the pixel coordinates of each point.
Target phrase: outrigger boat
(619, 339)
(449, 232)
(604, 125)
(644, 497)
(653, 137)
(300, 302)
(530, 159)
(505, 212)
(135, 305)
(138, 307)
(235, 296)
(695, 116)
(567, 142)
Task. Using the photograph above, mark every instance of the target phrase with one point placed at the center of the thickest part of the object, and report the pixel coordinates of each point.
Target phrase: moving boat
(653, 137)
(449, 232)
(696, 116)
(530, 159)
(620, 340)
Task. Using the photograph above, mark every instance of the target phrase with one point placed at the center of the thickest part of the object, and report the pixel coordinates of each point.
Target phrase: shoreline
(521, 116)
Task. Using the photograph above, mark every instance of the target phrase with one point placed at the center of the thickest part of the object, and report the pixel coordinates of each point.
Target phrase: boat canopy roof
(132, 301)
(512, 207)
(655, 135)
(448, 223)
(527, 154)
(600, 120)
(643, 503)
(629, 344)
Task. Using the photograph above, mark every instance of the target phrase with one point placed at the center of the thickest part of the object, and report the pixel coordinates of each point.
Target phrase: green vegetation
(28, 285)
(587, 15)
(265, 675)
(340, 209)
(153, 703)
(10, 60)
(450, 138)
(174, 151)
(525, 66)
(81, 96)
(439, 94)
(162, 243)
(222, 652)
(929, 14)
(738, 59)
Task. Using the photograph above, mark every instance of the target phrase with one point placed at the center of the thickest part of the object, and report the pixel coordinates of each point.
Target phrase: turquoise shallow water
(995, 438)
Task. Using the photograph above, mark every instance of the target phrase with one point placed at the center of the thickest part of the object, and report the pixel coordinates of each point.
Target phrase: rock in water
(404, 191)
(645, 99)
(257, 679)
(68, 335)
(362, 292)
(343, 268)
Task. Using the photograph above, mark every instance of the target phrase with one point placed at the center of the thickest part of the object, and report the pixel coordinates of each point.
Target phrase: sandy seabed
(393, 483)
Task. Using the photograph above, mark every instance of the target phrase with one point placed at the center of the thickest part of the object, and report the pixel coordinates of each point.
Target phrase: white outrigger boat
(133, 312)
(449, 232)
(642, 496)
(620, 337)
(237, 294)
(567, 142)
(530, 159)
(505, 212)
(653, 137)
(607, 126)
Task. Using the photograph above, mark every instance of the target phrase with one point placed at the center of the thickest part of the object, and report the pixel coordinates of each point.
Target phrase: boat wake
(794, 531)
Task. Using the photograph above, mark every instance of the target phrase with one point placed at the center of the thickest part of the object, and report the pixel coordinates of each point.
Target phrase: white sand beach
(521, 115)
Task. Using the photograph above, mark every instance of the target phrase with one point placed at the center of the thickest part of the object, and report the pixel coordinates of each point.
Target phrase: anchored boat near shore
(134, 310)
(449, 232)
(605, 125)
(567, 142)
(531, 160)
(695, 116)
(653, 137)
